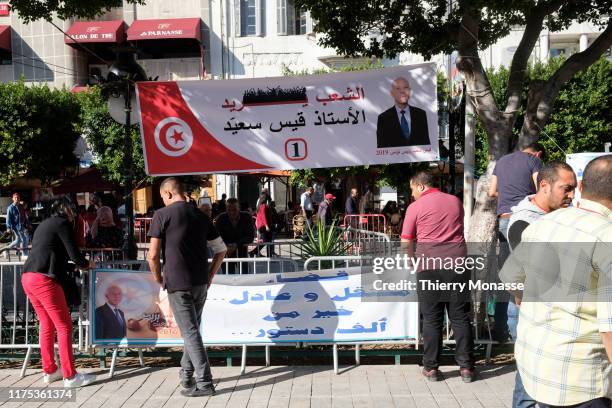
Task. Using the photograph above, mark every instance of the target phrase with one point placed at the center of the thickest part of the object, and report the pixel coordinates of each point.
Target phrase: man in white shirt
(306, 203)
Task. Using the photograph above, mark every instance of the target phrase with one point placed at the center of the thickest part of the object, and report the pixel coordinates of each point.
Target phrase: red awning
(5, 37)
(96, 32)
(88, 180)
(170, 28)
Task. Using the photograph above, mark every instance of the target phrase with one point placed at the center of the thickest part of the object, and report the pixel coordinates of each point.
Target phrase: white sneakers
(79, 380)
(49, 378)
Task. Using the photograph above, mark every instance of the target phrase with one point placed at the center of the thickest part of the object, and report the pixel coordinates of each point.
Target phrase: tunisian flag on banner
(287, 123)
(174, 140)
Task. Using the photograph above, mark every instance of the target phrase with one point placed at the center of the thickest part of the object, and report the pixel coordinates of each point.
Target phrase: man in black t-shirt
(514, 177)
(182, 234)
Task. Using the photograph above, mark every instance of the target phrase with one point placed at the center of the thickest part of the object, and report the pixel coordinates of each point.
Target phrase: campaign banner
(285, 123)
(322, 306)
(130, 308)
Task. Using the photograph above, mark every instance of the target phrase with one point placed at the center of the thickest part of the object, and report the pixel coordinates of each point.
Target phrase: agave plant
(323, 240)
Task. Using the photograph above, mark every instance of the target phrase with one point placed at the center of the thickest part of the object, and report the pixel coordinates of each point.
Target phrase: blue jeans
(21, 240)
(501, 308)
(520, 398)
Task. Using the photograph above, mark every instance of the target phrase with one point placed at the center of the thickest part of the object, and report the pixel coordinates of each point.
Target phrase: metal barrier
(15, 308)
(141, 229)
(364, 242)
(348, 261)
(104, 254)
(241, 266)
(368, 222)
(287, 248)
(10, 254)
(15, 312)
(321, 261)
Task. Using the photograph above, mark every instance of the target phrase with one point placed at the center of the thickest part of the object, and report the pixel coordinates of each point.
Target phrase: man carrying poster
(402, 124)
(110, 320)
(184, 233)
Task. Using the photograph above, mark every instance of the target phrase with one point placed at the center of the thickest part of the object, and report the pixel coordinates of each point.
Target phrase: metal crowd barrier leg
(335, 351)
(357, 355)
(26, 360)
(418, 328)
(113, 362)
(267, 350)
(243, 359)
(141, 358)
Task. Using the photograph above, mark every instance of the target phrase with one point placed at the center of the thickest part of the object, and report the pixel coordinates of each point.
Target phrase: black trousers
(602, 402)
(266, 236)
(432, 304)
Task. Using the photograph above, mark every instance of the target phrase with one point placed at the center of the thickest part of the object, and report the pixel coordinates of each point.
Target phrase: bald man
(184, 234)
(402, 124)
(110, 320)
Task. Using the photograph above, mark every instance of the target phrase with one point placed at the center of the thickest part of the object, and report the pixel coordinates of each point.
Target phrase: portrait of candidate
(402, 124)
(110, 320)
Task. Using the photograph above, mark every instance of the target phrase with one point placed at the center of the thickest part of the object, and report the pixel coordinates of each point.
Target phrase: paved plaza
(287, 386)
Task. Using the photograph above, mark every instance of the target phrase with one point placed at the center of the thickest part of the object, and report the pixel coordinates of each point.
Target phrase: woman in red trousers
(44, 271)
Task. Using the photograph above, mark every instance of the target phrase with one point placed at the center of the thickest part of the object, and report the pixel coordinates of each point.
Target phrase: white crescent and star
(173, 136)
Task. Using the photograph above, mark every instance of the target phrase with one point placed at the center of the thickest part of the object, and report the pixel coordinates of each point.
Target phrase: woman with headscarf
(44, 282)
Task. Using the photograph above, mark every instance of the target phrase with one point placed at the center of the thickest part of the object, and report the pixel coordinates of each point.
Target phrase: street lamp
(120, 90)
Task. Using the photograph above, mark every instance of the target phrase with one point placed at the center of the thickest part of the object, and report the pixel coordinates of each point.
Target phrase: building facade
(207, 39)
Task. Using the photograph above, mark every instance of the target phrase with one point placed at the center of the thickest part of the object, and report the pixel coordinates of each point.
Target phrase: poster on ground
(322, 306)
(285, 123)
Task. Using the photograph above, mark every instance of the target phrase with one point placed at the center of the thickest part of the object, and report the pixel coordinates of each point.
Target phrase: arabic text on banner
(322, 306)
(285, 123)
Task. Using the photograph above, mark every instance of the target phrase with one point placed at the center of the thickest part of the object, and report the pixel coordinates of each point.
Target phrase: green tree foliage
(580, 121)
(38, 131)
(389, 27)
(106, 137)
(31, 10)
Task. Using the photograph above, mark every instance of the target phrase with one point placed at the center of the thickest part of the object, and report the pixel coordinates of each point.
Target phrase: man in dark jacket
(402, 125)
(352, 206)
(237, 231)
(110, 320)
(325, 213)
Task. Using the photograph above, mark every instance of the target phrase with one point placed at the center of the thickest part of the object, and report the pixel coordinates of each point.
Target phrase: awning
(5, 37)
(96, 32)
(171, 28)
(89, 180)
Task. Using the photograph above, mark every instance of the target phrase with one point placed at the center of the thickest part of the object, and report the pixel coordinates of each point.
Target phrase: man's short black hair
(536, 147)
(550, 171)
(231, 201)
(423, 177)
(596, 178)
(173, 185)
